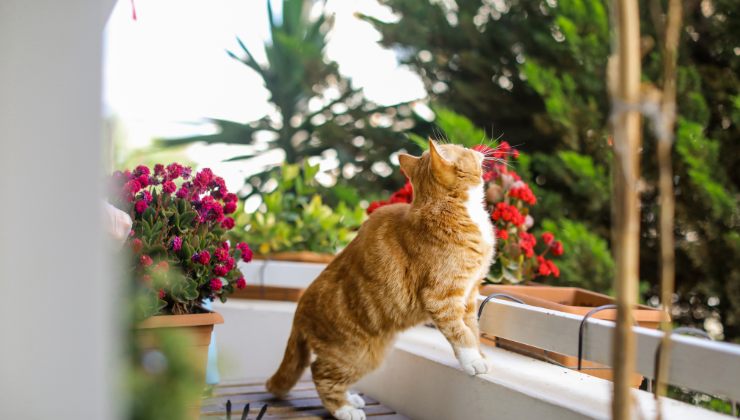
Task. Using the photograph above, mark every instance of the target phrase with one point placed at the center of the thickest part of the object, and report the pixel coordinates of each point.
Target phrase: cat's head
(443, 169)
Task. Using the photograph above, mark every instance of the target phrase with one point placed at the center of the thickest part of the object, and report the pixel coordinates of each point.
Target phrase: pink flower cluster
(205, 191)
(162, 202)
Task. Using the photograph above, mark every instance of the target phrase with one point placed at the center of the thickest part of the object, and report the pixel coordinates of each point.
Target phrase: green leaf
(190, 290)
(149, 215)
(187, 218)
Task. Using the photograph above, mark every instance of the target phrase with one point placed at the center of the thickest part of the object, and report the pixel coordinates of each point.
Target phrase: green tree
(317, 109)
(536, 71)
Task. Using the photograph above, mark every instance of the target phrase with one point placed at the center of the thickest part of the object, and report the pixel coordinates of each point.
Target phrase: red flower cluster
(507, 213)
(404, 195)
(547, 267)
(524, 193)
(527, 241)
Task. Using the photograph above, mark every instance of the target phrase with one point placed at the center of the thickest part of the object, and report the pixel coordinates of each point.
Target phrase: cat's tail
(297, 358)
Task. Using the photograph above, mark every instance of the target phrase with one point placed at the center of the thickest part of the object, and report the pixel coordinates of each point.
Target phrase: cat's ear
(408, 163)
(440, 166)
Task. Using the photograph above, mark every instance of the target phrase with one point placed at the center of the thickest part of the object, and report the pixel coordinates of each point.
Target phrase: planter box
(257, 292)
(198, 329)
(282, 276)
(298, 256)
(574, 301)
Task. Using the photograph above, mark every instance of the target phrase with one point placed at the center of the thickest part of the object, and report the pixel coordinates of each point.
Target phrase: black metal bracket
(582, 329)
(496, 296)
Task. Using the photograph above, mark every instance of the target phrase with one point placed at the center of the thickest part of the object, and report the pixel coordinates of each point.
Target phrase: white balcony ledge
(421, 379)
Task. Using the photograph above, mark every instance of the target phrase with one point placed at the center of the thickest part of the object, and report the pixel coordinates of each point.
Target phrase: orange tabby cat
(408, 263)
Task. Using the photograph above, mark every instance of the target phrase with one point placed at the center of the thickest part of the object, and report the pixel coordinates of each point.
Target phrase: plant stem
(625, 199)
(667, 201)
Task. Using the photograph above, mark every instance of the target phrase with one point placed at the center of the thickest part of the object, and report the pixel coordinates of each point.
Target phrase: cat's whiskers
(497, 160)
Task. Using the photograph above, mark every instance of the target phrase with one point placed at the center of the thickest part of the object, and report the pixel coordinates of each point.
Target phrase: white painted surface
(421, 379)
(281, 273)
(697, 364)
(252, 339)
(58, 336)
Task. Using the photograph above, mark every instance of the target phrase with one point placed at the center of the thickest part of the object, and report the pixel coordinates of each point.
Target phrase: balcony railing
(421, 378)
(697, 364)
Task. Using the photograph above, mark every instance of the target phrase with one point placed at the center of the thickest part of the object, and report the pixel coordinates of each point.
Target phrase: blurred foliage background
(532, 73)
(316, 109)
(535, 71)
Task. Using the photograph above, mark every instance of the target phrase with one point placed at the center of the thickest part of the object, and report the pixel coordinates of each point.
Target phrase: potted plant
(294, 224)
(179, 252)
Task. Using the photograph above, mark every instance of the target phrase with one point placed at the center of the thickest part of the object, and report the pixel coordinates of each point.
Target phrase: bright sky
(168, 68)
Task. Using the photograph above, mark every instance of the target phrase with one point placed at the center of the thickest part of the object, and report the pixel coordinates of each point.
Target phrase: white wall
(56, 332)
(252, 339)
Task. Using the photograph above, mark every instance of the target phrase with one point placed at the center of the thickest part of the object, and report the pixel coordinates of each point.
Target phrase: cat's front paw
(477, 366)
(472, 362)
(347, 412)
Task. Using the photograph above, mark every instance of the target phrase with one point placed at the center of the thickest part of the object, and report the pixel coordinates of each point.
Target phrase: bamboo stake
(664, 129)
(625, 199)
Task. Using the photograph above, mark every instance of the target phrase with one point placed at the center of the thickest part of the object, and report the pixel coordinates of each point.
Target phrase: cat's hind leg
(355, 400)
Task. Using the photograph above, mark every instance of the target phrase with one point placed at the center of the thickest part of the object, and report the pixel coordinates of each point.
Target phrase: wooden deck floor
(301, 403)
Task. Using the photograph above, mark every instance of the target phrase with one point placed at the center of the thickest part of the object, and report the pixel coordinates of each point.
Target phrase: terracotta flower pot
(197, 327)
(570, 300)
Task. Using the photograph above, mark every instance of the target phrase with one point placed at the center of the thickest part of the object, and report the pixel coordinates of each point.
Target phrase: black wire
(262, 412)
(245, 412)
(496, 296)
(581, 329)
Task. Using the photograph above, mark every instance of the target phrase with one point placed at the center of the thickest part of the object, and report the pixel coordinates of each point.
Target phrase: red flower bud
(557, 248)
(547, 238)
(136, 245)
(146, 260)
